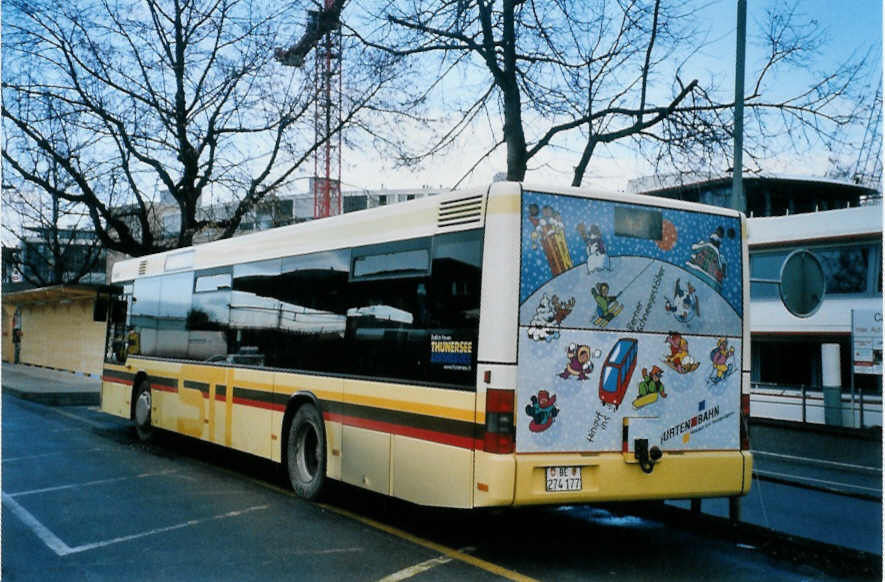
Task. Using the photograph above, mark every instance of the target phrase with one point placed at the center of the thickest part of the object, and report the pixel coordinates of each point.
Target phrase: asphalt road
(84, 500)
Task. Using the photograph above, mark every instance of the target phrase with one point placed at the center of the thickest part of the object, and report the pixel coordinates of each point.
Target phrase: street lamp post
(738, 202)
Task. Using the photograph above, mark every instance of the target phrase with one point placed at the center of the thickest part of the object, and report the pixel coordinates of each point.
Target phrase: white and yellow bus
(506, 346)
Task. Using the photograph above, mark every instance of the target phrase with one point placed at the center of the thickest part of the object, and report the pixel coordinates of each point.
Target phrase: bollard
(831, 380)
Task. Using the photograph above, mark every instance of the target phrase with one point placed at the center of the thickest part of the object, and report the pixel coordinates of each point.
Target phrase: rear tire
(306, 452)
(141, 412)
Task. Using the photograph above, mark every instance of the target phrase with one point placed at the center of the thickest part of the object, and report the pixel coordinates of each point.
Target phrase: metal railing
(814, 398)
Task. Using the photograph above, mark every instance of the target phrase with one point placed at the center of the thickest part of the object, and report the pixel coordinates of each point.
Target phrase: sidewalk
(827, 443)
(52, 387)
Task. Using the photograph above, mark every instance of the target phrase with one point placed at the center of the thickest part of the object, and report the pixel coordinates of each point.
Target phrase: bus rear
(628, 380)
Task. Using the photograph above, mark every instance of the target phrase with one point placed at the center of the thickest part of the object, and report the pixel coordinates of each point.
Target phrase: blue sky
(851, 27)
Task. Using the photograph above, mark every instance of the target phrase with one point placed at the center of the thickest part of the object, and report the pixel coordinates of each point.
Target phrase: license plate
(563, 478)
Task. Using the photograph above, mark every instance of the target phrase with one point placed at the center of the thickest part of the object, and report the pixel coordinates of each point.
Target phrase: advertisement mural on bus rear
(629, 314)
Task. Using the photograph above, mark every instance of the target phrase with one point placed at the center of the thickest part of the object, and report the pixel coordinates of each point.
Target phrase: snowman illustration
(597, 257)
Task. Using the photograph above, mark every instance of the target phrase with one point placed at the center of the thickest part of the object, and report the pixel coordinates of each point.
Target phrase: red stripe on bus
(423, 434)
(116, 380)
(463, 442)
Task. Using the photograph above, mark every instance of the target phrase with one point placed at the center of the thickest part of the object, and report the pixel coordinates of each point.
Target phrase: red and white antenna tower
(327, 122)
(324, 35)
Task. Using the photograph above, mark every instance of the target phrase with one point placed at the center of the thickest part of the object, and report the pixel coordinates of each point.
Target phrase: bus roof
(450, 212)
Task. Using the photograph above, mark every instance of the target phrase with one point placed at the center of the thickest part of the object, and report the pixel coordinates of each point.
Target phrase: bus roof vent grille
(142, 267)
(460, 211)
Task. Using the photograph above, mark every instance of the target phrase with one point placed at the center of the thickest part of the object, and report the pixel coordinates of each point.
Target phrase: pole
(831, 383)
(851, 375)
(804, 392)
(738, 202)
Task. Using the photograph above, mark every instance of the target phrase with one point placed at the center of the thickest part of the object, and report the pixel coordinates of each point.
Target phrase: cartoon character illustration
(597, 257)
(607, 306)
(579, 363)
(678, 358)
(650, 388)
(684, 306)
(550, 234)
(548, 318)
(722, 357)
(707, 259)
(617, 371)
(542, 410)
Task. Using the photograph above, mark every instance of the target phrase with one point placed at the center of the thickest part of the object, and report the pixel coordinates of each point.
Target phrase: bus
(504, 346)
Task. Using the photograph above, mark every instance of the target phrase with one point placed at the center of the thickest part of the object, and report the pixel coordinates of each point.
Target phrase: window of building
(786, 363)
(171, 224)
(846, 268)
(766, 265)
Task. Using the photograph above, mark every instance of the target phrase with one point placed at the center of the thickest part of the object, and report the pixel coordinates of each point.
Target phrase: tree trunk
(581, 168)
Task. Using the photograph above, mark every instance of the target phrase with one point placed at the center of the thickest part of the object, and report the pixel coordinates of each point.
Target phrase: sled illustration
(645, 400)
(603, 321)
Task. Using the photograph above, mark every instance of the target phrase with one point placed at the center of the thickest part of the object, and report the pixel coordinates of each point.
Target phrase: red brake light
(500, 431)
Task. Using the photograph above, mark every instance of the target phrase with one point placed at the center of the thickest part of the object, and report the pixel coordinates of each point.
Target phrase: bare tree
(54, 238)
(141, 103)
(578, 75)
(55, 245)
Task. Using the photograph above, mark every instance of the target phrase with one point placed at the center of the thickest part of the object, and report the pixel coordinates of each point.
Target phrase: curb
(53, 368)
(56, 398)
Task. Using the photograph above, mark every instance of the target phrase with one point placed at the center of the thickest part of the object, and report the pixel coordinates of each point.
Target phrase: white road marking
(62, 549)
(50, 539)
(324, 552)
(818, 461)
(30, 430)
(81, 419)
(188, 523)
(800, 479)
(411, 571)
(87, 483)
(52, 454)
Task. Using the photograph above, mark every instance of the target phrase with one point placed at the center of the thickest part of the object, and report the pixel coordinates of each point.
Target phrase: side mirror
(118, 311)
(100, 308)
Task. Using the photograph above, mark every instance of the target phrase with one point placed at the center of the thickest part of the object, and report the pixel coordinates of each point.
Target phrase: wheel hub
(143, 408)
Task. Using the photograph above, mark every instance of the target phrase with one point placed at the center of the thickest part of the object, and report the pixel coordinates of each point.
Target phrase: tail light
(745, 419)
(500, 434)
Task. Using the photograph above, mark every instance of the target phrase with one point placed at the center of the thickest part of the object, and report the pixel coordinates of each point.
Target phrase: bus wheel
(306, 452)
(142, 412)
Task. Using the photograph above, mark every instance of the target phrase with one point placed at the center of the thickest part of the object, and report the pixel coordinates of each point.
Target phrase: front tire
(306, 452)
(141, 412)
